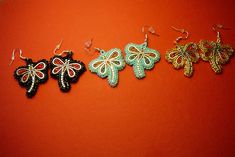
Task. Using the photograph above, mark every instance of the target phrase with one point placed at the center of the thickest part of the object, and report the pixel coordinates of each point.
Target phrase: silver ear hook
(146, 40)
(150, 30)
(58, 47)
(216, 27)
(13, 55)
(183, 31)
(100, 50)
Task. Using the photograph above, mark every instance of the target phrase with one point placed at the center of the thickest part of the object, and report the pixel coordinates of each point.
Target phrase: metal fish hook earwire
(58, 47)
(100, 50)
(150, 30)
(88, 45)
(13, 56)
(215, 28)
(183, 31)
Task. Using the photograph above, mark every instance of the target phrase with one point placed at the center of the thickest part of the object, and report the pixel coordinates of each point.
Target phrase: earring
(215, 52)
(183, 56)
(30, 75)
(65, 68)
(108, 64)
(140, 56)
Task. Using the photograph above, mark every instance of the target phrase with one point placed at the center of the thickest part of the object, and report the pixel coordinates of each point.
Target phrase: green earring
(108, 64)
(141, 57)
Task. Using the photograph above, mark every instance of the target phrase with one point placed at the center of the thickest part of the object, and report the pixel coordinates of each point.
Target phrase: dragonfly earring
(183, 55)
(215, 52)
(140, 56)
(108, 64)
(30, 75)
(65, 68)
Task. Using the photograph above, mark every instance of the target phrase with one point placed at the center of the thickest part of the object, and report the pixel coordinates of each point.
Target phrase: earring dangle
(183, 55)
(215, 52)
(30, 75)
(140, 56)
(65, 68)
(108, 64)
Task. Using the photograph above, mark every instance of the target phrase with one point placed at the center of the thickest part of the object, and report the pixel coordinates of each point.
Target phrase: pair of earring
(140, 56)
(214, 52)
(62, 67)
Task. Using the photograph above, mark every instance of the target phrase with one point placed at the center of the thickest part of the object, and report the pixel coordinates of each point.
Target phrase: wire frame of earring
(215, 52)
(183, 55)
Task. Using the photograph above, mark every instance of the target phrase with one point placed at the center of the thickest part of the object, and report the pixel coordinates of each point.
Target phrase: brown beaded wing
(183, 56)
(215, 53)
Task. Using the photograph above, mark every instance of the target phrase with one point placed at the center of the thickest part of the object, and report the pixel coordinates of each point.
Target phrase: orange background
(163, 115)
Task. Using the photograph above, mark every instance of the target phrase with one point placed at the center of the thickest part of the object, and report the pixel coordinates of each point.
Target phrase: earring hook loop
(150, 30)
(100, 50)
(183, 31)
(215, 28)
(58, 47)
(13, 55)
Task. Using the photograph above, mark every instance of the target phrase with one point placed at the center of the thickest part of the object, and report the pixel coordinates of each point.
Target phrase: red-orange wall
(163, 115)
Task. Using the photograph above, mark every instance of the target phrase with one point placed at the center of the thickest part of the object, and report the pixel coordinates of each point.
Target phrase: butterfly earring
(215, 52)
(30, 75)
(65, 68)
(108, 64)
(183, 55)
(140, 56)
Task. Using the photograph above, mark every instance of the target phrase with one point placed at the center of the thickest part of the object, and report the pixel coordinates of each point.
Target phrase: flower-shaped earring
(140, 56)
(108, 64)
(183, 56)
(31, 75)
(66, 69)
(215, 52)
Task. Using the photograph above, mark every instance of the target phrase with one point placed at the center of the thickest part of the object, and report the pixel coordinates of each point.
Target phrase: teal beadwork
(141, 57)
(108, 64)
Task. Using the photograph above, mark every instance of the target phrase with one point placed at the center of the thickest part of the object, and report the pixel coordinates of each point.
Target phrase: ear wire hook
(183, 31)
(58, 47)
(150, 30)
(215, 28)
(98, 49)
(13, 56)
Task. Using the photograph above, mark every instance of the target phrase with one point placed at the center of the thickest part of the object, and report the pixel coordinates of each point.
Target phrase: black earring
(31, 75)
(66, 69)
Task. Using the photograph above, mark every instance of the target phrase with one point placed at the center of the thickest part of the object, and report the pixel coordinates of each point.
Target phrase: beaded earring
(30, 75)
(65, 68)
(108, 64)
(215, 52)
(183, 56)
(140, 56)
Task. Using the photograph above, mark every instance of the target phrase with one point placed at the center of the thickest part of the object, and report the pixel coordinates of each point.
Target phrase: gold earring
(183, 55)
(215, 52)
